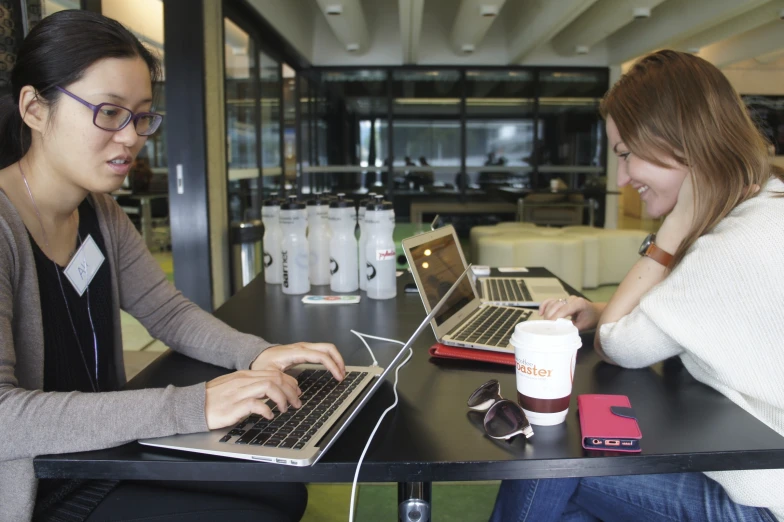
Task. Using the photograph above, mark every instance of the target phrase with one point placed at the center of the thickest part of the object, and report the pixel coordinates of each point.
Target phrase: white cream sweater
(722, 311)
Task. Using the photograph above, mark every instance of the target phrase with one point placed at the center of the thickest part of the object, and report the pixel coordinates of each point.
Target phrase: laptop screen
(439, 264)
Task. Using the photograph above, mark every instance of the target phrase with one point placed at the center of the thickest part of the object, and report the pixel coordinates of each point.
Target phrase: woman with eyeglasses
(80, 110)
(707, 289)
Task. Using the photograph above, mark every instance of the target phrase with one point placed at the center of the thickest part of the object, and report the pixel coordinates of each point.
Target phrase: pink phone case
(608, 423)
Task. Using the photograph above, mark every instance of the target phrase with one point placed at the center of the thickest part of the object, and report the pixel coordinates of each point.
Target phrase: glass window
(572, 132)
(499, 128)
(269, 74)
(347, 132)
(242, 118)
(146, 188)
(426, 129)
(53, 6)
(144, 18)
(290, 127)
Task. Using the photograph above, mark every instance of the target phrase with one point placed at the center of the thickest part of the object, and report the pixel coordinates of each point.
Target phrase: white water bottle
(273, 266)
(318, 240)
(363, 238)
(294, 247)
(380, 250)
(343, 246)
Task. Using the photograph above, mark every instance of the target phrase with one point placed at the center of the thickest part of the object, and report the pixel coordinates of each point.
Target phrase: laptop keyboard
(491, 326)
(507, 290)
(321, 397)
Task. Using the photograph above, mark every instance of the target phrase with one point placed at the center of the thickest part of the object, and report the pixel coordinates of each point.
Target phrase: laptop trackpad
(546, 288)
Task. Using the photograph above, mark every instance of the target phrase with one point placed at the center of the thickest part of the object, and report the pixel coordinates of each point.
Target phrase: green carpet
(452, 502)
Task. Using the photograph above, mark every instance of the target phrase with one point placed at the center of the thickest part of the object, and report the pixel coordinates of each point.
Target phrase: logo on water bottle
(267, 259)
(372, 274)
(333, 266)
(285, 257)
(383, 255)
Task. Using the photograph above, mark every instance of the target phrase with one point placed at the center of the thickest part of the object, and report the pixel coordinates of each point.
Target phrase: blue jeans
(689, 497)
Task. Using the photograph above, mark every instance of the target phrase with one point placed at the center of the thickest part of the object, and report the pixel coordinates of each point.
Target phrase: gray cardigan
(78, 421)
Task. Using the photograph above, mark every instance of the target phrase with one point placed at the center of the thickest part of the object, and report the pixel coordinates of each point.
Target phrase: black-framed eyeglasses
(111, 117)
(504, 418)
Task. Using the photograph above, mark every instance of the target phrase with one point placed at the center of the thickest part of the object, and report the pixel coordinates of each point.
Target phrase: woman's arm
(165, 312)
(33, 422)
(647, 273)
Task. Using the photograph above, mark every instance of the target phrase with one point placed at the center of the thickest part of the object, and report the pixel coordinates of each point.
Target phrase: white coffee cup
(545, 356)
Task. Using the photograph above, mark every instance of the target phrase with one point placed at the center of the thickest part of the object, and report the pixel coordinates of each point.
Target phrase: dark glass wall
(455, 134)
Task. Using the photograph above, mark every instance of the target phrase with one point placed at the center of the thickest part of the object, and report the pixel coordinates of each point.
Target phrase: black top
(66, 366)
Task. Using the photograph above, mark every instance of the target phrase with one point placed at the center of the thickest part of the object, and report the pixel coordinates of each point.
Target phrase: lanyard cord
(93, 383)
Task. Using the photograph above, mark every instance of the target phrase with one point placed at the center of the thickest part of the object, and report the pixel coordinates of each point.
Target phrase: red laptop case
(453, 352)
(608, 423)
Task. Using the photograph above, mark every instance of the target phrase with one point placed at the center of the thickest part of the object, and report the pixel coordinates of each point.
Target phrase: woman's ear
(34, 113)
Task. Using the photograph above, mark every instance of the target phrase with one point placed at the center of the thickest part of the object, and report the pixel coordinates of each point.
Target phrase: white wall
(752, 77)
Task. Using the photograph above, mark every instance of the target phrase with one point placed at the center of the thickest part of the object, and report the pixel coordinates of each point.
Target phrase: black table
(431, 436)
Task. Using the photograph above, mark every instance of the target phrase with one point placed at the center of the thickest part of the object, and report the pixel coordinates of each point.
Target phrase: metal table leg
(414, 501)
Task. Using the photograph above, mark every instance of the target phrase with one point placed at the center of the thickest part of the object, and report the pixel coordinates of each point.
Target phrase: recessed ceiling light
(488, 10)
(334, 9)
(467, 48)
(352, 47)
(581, 49)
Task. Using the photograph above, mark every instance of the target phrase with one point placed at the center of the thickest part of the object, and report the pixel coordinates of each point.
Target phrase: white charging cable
(394, 389)
(362, 338)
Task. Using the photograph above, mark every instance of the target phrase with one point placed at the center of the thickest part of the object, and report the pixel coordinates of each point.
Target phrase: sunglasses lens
(504, 419)
(484, 396)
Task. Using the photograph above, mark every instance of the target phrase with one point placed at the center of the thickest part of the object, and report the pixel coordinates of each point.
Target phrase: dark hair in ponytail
(58, 51)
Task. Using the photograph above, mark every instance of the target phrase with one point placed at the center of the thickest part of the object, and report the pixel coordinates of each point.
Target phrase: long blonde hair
(677, 105)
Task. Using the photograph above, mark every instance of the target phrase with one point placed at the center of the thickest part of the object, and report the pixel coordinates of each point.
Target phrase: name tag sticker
(84, 265)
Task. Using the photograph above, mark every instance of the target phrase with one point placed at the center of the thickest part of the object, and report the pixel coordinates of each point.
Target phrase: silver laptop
(436, 260)
(520, 291)
(300, 437)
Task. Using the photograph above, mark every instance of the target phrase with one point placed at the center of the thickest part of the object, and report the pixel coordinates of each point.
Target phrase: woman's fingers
(329, 349)
(282, 393)
(545, 306)
(317, 357)
(232, 397)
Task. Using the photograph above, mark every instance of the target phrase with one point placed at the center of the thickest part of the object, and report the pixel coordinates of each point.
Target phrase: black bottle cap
(318, 200)
(292, 204)
(379, 204)
(340, 202)
(273, 200)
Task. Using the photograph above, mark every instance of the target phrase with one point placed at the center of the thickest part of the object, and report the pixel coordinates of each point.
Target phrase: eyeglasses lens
(504, 418)
(485, 396)
(112, 117)
(147, 124)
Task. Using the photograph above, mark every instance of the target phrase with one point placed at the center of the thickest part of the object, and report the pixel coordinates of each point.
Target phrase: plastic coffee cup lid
(544, 335)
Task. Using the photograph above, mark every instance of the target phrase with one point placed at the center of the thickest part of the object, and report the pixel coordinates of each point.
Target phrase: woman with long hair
(706, 289)
(80, 110)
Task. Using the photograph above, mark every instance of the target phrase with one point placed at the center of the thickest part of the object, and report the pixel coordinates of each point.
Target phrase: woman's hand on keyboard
(584, 314)
(285, 356)
(234, 396)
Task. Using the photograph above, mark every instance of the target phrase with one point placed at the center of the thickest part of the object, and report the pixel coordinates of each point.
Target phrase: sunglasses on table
(111, 117)
(504, 418)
